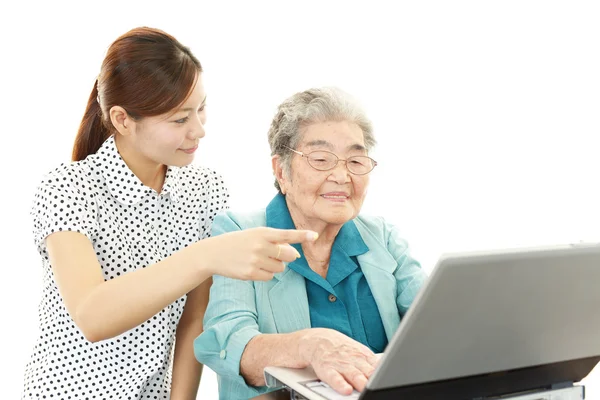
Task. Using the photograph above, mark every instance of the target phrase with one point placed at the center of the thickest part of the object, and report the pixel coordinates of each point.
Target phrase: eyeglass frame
(301, 154)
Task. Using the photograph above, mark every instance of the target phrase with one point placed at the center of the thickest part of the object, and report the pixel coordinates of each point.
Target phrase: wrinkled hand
(253, 254)
(338, 360)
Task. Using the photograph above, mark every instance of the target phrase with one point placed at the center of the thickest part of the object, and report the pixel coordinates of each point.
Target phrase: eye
(181, 121)
(320, 161)
(202, 108)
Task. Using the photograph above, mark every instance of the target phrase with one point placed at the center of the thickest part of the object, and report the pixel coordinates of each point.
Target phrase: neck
(327, 232)
(317, 253)
(150, 173)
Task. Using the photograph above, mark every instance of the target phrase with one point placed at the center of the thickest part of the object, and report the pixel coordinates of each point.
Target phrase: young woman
(124, 235)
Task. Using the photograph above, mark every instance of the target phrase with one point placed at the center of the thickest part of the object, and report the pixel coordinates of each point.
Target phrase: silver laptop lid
(492, 311)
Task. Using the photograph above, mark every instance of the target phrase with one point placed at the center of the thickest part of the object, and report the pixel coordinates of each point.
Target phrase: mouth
(191, 150)
(336, 196)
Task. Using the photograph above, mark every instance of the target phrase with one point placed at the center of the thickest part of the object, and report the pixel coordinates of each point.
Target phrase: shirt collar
(172, 185)
(122, 183)
(348, 238)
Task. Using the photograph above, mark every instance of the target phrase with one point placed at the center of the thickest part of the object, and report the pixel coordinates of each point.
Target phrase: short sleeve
(217, 199)
(59, 206)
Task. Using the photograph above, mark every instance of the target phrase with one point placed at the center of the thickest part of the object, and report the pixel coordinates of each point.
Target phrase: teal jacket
(239, 310)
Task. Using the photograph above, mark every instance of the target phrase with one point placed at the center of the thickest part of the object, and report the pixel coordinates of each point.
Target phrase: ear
(279, 173)
(122, 122)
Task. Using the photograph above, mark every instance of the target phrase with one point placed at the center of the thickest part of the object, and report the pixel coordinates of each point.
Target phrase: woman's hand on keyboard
(338, 360)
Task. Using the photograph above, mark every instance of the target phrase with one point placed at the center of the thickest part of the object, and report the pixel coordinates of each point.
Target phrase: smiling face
(172, 138)
(331, 197)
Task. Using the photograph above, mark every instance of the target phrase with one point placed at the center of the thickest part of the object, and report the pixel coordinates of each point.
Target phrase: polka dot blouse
(130, 226)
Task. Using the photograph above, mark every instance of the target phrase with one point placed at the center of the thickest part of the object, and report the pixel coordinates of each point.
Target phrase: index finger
(274, 235)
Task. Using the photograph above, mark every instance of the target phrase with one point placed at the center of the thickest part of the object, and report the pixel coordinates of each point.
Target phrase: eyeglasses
(322, 160)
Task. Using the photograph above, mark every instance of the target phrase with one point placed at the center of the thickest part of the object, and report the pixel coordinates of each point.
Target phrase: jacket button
(332, 298)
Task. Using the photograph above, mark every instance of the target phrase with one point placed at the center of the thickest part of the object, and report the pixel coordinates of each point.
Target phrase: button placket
(153, 212)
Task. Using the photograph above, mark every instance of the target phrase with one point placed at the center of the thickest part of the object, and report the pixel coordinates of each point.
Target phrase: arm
(278, 350)
(336, 359)
(231, 343)
(186, 369)
(104, 309)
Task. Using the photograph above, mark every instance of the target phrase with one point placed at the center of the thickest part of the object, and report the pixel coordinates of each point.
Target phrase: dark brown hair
(147, 72)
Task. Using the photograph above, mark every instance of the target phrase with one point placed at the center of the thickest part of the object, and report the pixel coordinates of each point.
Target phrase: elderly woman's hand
(338, 360)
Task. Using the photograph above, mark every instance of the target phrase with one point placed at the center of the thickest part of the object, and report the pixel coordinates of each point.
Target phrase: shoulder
(197, 175)
(67, 179)
(198, 182)
(204, 187)
(380, 230)
(229, 221)
(374, 225)
(65, 201)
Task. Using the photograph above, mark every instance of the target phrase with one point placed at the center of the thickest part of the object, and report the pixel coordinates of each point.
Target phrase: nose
(197, 129)
(340, 173)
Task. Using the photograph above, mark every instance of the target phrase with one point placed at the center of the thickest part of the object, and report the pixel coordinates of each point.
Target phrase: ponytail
(92, 132)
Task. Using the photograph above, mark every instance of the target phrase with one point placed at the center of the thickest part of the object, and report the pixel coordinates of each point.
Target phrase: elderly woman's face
(334, 196)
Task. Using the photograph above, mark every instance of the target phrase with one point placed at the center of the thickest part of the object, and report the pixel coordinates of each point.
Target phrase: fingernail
(312, 235)
(297, 254)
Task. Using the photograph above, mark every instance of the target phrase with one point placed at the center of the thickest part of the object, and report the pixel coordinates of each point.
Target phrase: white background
(486, 113)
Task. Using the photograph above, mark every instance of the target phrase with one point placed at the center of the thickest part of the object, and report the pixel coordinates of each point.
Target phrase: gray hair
(309, 107)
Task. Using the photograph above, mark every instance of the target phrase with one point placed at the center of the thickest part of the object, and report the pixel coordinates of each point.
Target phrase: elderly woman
(342, 299)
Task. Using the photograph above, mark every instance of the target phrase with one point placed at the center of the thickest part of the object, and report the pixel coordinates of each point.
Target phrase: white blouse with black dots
(130, 226)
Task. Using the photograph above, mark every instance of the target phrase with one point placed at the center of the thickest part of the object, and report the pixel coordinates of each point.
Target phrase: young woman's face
(172, 138)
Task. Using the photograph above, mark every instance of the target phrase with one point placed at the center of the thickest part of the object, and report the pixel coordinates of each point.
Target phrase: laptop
(485, 325)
